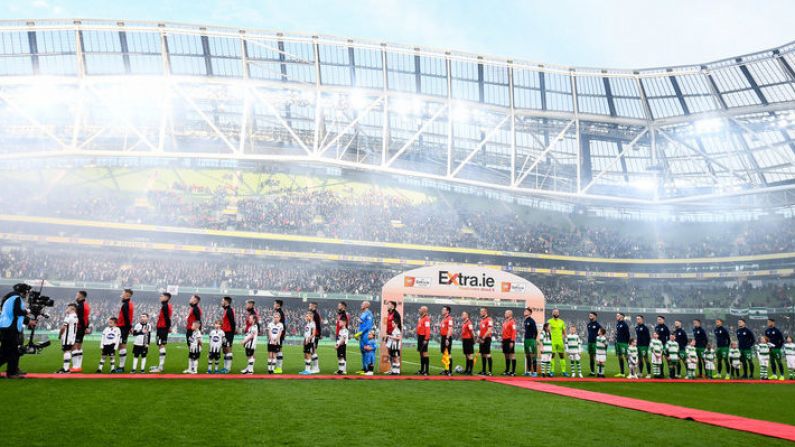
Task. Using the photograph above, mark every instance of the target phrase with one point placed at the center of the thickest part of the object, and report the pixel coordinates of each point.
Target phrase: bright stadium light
(708, 125)
(644, 184)
(460, 113)
(357, 100)
(404, 106)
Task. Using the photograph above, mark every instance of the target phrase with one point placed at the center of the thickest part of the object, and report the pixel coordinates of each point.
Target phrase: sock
(67, 359)
(576, 368)
(135, 364)
(112, 363)
(621, 364)
(601, 369)
(507, 364)
(270, 365)
(279, 360)
(77, 359)
(341, 365)
(450, 366)
(228, 361)
(483, 365)
(315, 363)
(307, 365)
(122, 357)
(250, 366)
(143, 363)
(162, 358)
(490, 363)
(592, 362)
(562, 365)
(535, 364)
(101, 363)
(513, 366)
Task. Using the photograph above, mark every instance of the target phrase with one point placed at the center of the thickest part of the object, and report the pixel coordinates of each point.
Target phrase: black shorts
(446, 344)
(250, 352)
(194, 355)
(469, 346)
(342, 351)
(66, 348)
(508, 346)
(140, 351)
(229, 338)
(422, 344)
(79, 334)
(162, 336)
(309, 348)
(394, 353)
(125, 332)
(108, 349)
(273, 348)
(214, 355)
(485, 346)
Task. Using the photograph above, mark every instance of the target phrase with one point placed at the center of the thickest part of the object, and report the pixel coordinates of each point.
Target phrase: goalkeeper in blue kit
(363, 332)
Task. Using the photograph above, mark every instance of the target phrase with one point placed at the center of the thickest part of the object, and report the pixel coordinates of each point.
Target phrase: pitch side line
(755, 426)
(354, 376)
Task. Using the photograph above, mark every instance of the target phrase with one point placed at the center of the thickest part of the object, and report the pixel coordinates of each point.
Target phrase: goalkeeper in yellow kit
(557, 331)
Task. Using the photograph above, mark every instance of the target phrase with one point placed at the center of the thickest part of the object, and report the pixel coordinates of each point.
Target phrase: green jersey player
(763, 353)
(632, 358)
(657, 349)
(546, 351)
(601, 353)
(789, 355)
(573, 348)
(709, 361)
(691, 359)
(672, 349)
(734, 360)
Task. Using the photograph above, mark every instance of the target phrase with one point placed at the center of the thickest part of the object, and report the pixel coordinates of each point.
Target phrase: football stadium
(232, 236)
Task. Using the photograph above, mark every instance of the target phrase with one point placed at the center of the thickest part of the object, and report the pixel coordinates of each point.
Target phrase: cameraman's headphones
(22, 288)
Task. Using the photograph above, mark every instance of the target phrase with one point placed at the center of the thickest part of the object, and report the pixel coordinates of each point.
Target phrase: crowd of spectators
(389, 215)
(130, 268)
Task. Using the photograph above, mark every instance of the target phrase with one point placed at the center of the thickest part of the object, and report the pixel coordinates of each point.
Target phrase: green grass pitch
(353, 413)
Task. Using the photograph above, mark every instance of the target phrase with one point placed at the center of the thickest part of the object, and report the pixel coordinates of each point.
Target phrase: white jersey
(393, 342)
(69, 329)
(275, 333)
(111, 336)
(252, 333)
(195, 341)
(216, 340)
(342, 338)
(309, 332)
(143, 334)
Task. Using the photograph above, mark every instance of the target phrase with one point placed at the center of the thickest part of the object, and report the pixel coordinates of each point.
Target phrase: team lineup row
(649, 350)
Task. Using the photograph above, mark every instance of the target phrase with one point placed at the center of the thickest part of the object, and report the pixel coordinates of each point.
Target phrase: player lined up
(650, 350)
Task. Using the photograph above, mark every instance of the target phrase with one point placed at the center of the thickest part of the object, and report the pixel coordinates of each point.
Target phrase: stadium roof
(662, 136)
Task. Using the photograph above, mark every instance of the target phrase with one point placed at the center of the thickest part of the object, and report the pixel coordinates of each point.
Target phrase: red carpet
(756, 426)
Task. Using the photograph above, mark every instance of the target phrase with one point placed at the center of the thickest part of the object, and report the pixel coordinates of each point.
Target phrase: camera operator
(13, 318)
(83, 313)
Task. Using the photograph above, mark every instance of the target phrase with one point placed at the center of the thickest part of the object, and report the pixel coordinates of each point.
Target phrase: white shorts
(546, 357)
(764, 360)
(691, 365)
(709, 366)
(656, 360)
(736, 364)
(575, 356)
(601, 358)
(791, 362)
